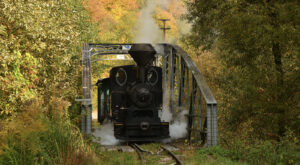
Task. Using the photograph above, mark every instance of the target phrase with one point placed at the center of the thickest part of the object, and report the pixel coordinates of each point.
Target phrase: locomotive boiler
(132, 98)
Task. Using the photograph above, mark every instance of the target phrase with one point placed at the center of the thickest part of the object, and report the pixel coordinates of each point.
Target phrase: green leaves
(40, 49)
(17, 78)
(257, 45)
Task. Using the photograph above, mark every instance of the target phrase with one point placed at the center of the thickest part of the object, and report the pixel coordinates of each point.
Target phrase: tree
(50, 34)
(115, 17)
(259, 42)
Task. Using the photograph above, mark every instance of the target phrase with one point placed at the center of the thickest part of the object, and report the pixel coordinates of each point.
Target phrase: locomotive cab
(132, 98)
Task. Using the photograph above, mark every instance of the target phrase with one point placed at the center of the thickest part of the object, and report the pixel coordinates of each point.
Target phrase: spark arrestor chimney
(142, 54)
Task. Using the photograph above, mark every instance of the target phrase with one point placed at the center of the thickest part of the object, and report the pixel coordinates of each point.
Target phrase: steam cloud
(106, 134)
(164, 3)
(148, 30)
(178, 124)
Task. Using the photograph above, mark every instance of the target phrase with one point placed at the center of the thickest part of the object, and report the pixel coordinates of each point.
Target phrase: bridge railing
(186, 86)
(189, 91)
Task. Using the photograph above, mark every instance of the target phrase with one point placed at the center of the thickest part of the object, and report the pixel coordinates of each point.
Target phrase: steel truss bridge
(183, 84)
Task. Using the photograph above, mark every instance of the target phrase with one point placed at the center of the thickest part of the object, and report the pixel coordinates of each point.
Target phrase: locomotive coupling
(145, 125)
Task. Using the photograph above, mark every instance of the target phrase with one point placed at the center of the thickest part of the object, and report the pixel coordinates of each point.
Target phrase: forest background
(247, 50)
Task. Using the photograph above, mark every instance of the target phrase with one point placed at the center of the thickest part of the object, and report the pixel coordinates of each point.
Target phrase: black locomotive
(132, 98)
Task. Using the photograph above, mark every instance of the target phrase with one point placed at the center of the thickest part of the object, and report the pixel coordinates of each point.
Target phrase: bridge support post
(83, 119)
(214, 122)
(89, 120)
(86, 110)
(200, 115)
(209, 125)
(212, 125)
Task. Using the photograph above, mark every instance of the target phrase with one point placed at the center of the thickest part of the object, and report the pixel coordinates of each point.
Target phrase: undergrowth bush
(285, 151)
(34, 138)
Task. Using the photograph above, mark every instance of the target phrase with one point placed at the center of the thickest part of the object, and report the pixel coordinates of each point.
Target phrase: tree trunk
(277, 54)
(279, 97)
(278, 63)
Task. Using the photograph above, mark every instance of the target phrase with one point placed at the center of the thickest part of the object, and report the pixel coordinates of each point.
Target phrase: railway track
(139, 150)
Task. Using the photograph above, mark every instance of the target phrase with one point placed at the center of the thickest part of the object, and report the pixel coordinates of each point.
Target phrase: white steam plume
(106, 134)
(159, 49)
(164, 3)
(178, 124)
(148, 30)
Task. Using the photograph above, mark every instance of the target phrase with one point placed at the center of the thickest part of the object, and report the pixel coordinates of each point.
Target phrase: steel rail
(178, 162)
(140, 149)
(139, 153)
(143, 150)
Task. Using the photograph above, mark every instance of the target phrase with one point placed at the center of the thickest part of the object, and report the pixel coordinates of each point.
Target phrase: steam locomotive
(132, 97)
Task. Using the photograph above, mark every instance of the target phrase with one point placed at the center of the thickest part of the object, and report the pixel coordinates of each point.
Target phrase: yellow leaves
(296, 140)
(291, 161)
(27, 123)
(7, 110)
(116, 18)
(43, 45)
(174, 31)
(2, 30)
(22, 131)
(110, 9)
(177, 8)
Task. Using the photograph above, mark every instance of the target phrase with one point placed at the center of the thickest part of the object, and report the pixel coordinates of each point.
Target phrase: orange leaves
(116, 18)
(110, 10)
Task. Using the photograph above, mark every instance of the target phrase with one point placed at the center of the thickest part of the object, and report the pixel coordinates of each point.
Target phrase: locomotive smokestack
(142, 54)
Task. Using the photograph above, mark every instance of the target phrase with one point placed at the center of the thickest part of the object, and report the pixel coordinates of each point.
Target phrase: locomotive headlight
(152, 76)
(121, 77)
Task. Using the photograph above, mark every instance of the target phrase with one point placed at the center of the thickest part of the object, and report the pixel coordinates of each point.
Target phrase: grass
(34, 138)
(284, 152)
(189, 155)
(117, 158)
(209, 156)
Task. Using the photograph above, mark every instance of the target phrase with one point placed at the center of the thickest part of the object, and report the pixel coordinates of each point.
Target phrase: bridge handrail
(205, 90)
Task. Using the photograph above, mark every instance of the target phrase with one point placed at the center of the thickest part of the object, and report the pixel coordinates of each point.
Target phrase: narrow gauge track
(139, 151)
